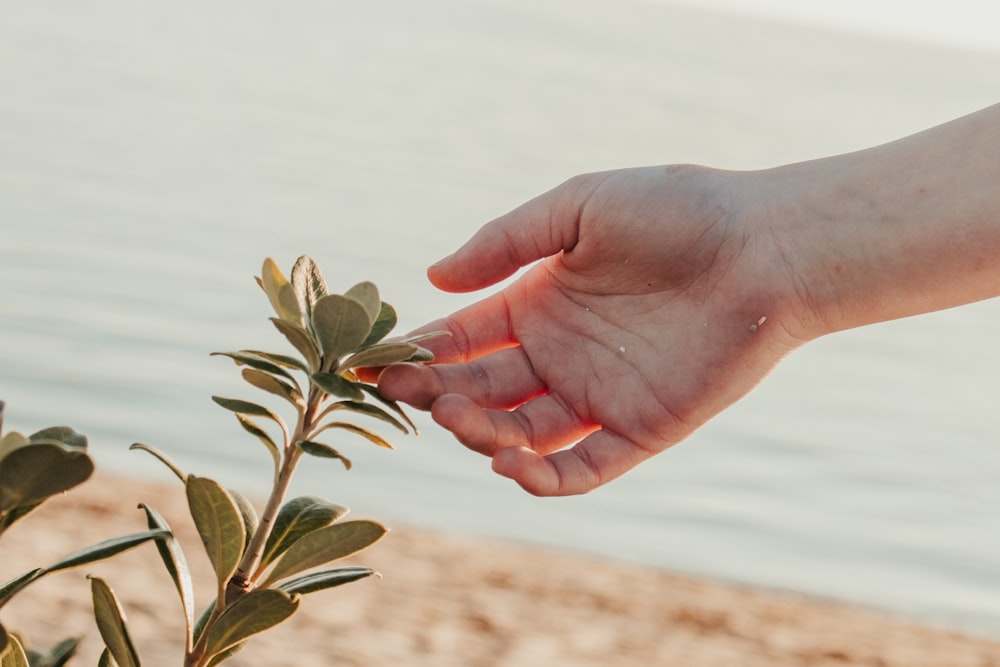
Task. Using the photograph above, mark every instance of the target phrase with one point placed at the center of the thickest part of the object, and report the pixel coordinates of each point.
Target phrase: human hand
(654, 306)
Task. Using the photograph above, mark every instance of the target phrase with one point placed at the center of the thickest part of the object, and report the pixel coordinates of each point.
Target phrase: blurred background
(152, 154)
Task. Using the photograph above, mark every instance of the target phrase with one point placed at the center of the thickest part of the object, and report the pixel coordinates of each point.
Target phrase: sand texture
(455, 601)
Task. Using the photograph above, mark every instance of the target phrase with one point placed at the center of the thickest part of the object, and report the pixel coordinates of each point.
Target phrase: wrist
(901, 229)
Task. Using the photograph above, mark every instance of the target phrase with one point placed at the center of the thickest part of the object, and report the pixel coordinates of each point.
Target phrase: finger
(500, 380)
(475, 331)
(596, 460)
(544, 424)
(539, 228)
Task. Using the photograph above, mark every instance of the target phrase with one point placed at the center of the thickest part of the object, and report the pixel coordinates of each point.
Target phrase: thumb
(539, 228)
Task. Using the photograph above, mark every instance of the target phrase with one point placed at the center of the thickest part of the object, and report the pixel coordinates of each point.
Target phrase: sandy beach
(447, 600)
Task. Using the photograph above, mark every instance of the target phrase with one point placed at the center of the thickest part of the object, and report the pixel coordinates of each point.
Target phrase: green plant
(32, 470)
(263, 564)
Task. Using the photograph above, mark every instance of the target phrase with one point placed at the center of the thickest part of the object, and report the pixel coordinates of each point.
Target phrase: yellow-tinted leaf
(280, 293)
(14, 655)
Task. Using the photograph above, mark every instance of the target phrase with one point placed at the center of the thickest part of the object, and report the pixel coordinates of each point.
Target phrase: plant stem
(240, 581)
(246, 571)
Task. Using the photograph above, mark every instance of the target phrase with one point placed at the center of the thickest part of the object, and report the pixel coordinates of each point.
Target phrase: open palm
(642, 319)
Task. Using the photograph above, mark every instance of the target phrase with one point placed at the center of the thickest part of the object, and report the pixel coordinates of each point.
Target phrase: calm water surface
(152, 155)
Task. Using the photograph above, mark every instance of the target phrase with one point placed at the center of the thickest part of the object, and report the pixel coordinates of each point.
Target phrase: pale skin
(657, 297)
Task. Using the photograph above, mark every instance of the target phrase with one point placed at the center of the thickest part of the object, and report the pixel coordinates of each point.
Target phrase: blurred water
(151, 154)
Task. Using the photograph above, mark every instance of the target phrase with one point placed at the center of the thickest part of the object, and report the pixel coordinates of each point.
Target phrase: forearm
(905, 228)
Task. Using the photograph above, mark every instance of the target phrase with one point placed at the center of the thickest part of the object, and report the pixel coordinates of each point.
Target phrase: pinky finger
(594, 461)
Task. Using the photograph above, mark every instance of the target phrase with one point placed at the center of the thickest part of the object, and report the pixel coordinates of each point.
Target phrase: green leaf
(105, 549)
(338, 386)
(254, 360)
(112, 624)
(296, 519)
(280, 293)
(12, 587)
(341, 324)
(10, 518)
(247, 408)
(106, 660)
(419, 338)
(318, 581)
(247, 513)
(199, 625)
(382, 354)
(273, 385)
(61, 653)
(219, 524)
(61, 434)
(162, 457)
(255, 612)
(308, 282)
(366, 409)
(323, 451)
(373, 391)
(384, 323)
(357, 430)
(173, 559)
(42, 469)
(367, 295)
(325, 545)
(228, 653)
(301, 341)
(422, 355)
(14, 654)
(262, 435)
(279, 359)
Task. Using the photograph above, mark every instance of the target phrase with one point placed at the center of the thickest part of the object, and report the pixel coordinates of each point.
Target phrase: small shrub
(263, 563)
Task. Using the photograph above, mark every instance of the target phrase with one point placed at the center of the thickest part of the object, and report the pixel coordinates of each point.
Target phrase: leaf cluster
(32, 470)
(265, 563)
(333, 334)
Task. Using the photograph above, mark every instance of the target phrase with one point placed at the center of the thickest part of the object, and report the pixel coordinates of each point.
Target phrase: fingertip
(473, 266)
(532, 472)
(414, 384)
